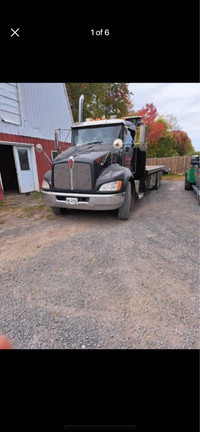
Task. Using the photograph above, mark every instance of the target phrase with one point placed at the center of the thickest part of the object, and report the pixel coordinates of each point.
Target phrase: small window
(128, 138)
(54, 154)
(23, 159)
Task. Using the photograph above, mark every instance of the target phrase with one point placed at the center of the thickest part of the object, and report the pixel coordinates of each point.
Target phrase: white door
(24, 168)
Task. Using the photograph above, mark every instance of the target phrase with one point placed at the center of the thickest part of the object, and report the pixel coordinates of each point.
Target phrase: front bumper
(85, 201)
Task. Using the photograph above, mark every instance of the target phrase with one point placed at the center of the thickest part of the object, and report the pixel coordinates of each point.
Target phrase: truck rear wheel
(158, 181)
(124, 210)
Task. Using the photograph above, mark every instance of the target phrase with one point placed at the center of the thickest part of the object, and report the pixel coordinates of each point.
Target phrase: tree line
(164, 136)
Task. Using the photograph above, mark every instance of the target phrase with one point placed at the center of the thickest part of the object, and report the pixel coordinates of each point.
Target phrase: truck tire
(124, 210)
(58, 210)
(158, 181)
(187, 184)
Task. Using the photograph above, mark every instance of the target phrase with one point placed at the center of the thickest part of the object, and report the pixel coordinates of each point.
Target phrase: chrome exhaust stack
(80, 109)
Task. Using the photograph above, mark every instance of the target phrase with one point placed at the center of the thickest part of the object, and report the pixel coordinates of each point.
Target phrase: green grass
(36, 194)
(33, 209)
(171, 176)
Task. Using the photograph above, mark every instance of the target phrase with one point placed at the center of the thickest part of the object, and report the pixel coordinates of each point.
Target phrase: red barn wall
(43, 164)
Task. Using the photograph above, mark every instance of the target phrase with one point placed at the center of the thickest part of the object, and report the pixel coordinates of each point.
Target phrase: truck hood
(89, 152)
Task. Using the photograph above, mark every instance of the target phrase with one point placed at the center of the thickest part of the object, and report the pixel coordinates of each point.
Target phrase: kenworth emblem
(71, 162)
(71, 166)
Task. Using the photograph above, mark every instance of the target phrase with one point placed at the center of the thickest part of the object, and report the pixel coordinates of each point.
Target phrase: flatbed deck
(150, 169)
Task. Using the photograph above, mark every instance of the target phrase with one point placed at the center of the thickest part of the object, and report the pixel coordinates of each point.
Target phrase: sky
(180, 99)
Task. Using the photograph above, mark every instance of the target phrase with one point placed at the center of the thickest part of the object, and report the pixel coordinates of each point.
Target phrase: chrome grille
(82, 178)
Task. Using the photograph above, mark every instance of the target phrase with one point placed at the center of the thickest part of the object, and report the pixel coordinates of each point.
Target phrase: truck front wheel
(124, 210)
(58, 210)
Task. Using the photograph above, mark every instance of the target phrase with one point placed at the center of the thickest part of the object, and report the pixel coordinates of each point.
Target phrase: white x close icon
(14, 32)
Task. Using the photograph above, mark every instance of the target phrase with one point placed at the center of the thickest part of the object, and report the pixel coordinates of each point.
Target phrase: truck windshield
(96, 134)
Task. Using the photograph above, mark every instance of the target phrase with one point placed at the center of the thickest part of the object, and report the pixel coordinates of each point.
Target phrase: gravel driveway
(88, 280)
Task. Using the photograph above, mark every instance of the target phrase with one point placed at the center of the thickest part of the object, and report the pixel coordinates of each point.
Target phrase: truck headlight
(45, 185)
(111, 186)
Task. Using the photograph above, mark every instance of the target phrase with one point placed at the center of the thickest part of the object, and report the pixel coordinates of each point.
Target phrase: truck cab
(124, 151)
(104, 169)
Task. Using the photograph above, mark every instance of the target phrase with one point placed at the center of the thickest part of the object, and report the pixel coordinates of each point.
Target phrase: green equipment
(192, 176)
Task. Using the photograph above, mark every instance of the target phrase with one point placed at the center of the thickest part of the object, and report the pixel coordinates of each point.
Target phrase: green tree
(157, 130)
(160, 142)
(165, 146)
(165, 124)
(100, 99)
(149, 113)
(164, 138)
(183, 143)
(171, 122)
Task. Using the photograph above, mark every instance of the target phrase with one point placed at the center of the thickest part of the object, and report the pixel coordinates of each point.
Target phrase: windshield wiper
(84, 148)
(89, 144)
(96, 142)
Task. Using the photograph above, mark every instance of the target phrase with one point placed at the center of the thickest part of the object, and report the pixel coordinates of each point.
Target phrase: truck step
(196, 189)
(140, 195)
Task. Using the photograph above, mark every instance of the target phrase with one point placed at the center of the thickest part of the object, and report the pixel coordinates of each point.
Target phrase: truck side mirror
(143, 137)
(117, 144)
(39, 148)
(143, 134)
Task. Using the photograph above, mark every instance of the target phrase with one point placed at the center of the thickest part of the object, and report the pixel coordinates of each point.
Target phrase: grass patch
(29, 211)
(171, 176)
(36, 194)
(34, 208)
(2, 203)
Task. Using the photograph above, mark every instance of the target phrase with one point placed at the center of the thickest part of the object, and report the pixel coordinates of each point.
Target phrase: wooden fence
(177, 165)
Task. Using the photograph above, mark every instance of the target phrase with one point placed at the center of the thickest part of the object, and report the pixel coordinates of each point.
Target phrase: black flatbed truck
(104, 169)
